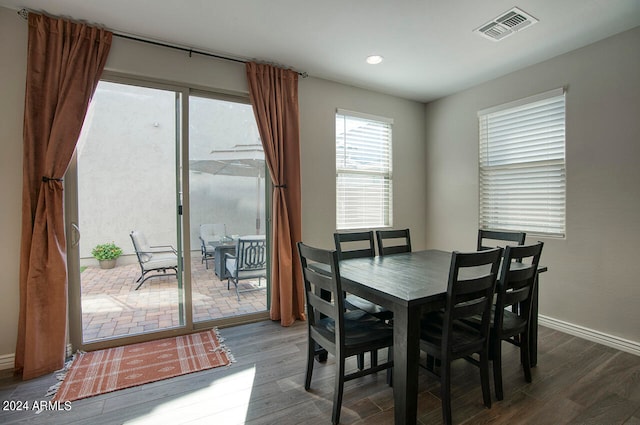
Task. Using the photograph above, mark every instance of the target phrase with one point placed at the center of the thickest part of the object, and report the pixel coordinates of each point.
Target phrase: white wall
(318, 102)
(593, 279)
(13, 67)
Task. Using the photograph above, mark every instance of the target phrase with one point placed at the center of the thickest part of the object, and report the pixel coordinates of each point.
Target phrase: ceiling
(429, 47)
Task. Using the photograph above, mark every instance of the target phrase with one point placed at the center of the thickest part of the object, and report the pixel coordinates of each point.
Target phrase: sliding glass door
(226, 203)
(123, 195)
(172, 200)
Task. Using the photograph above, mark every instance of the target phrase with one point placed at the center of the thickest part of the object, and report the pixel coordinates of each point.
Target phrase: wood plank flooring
(576, 382)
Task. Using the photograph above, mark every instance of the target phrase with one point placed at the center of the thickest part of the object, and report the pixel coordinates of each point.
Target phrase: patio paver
(111, 307)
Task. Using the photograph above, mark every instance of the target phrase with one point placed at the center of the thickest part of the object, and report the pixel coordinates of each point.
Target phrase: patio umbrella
(241, 160)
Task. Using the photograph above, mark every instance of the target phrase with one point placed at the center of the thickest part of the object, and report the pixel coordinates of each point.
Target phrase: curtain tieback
(48, 179)
(284, 186)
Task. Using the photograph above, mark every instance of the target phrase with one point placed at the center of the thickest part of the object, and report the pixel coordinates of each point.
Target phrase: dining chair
(515, 286)
(500, 238)
(443, 334)
(497, 236)
(341, 333)
(360, 245)
(393, 241)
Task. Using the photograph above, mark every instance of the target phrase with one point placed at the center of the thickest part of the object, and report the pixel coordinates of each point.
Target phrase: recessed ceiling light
(374, 59)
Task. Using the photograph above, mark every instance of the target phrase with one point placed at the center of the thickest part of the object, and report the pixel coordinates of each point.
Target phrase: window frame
(522, 184)
(355, 222)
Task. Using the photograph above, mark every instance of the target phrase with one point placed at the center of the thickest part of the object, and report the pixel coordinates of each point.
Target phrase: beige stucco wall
(593, 280)
(318, 102)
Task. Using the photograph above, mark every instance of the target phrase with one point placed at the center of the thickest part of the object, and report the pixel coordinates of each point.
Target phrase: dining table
(409, 284)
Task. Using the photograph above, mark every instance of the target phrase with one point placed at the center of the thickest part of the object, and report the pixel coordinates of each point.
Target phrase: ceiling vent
(506, 24)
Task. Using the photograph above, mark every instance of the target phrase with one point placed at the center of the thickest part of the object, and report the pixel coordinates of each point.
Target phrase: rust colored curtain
(274, 97)
(64, 64)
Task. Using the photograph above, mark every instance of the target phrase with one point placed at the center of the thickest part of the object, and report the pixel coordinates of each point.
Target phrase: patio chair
(160, 258)
(211, 235)
(248, 262)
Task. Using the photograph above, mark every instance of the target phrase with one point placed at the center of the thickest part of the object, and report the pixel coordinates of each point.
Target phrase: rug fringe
(61, 374)
(223, 347)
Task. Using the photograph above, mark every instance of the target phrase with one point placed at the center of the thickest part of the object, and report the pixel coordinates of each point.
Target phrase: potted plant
(107, 254)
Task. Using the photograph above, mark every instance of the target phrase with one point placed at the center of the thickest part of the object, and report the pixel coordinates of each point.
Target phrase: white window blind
(522, 165)
(363, 171)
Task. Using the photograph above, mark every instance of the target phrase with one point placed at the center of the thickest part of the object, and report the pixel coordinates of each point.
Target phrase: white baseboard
(7, 361)
(621, 344)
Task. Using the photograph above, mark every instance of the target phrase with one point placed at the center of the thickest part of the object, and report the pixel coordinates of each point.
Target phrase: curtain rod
(24, 13)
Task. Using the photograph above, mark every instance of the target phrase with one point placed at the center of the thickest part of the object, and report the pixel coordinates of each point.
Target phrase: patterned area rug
(103, 371)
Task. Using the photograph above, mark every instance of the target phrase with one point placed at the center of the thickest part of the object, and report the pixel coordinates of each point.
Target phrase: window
(522, 165)
(363, 171)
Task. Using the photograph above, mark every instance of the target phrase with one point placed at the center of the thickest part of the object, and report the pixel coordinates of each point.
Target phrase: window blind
(522, 165)
(363, 171)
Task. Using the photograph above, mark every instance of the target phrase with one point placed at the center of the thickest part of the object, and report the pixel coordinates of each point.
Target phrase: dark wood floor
(576, 382)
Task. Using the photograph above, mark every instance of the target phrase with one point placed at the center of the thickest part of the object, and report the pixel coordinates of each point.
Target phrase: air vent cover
(506, 24)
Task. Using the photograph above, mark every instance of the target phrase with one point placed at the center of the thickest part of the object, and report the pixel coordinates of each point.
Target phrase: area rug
(99, 372)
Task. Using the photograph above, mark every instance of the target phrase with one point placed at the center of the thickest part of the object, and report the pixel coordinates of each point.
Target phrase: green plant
(106, 251)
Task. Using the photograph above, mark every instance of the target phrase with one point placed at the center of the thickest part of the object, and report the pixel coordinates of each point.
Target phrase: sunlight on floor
(102, 304)
(224, 401)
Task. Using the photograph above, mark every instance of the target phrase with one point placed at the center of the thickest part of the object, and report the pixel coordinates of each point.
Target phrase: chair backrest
(140, 246)
(354, 245)
(498, 236)
(320, 272)
(472, 281)
(517, 277)
(212, 232)
(393, 241)
(251, 253)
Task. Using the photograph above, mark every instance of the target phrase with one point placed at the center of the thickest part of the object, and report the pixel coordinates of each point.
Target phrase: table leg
(406, 353)
(533, 323)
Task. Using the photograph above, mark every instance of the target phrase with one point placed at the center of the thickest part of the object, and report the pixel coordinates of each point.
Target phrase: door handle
(75, 235)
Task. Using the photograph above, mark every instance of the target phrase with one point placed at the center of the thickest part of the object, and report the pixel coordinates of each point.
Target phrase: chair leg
(430, 364)
(338, 388)
(374, 358)
(310, 358)
(525, 356)
(445, 389)
(390, 370)
(497, 367)
(235, 283)
(484, 377)
(360, 360)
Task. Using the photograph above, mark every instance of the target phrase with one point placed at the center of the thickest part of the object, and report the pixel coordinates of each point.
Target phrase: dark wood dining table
(408, 284)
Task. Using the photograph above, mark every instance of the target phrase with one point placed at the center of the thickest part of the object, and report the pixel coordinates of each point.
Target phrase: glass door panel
(127, 158)
(226, 203)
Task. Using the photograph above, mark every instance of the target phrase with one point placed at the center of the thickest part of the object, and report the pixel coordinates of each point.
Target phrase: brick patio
(111, 307)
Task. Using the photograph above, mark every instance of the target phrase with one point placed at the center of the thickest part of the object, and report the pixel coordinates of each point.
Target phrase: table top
(411, 277)
(417, 277)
